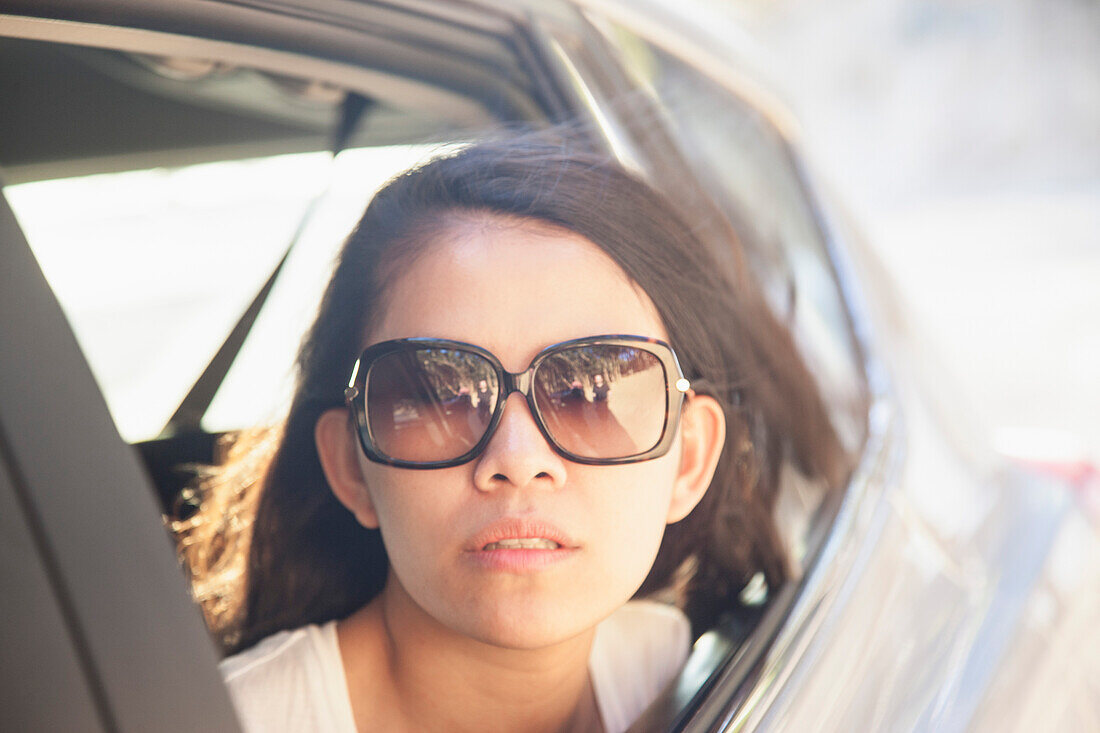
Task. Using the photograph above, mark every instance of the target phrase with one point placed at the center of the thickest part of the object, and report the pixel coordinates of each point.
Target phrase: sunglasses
(434, 403)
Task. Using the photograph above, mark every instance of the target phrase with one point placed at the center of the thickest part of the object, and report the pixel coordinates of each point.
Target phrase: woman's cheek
(636, 516)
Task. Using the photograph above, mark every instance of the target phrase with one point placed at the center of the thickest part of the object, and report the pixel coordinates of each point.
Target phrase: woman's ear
(339, 454)
(702, 436)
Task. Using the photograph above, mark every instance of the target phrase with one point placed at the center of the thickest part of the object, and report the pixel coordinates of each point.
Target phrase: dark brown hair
(309, 561)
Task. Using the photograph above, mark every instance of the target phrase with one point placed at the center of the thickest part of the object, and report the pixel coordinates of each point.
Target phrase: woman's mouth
(520, 546)
(522, 543)
(511, 533)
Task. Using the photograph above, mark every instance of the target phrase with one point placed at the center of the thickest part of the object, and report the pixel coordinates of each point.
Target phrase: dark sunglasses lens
(602, 401)
(429, 405)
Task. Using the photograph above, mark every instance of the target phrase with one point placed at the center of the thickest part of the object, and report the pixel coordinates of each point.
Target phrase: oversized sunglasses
(433, 403)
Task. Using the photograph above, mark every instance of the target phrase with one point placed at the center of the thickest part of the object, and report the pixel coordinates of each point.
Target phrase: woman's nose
(518, 454)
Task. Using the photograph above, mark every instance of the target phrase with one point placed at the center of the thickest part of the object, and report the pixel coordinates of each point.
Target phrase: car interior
(185, 207)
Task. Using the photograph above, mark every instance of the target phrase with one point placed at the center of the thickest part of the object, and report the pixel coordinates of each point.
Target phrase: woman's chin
(524, 629)
(524, 636)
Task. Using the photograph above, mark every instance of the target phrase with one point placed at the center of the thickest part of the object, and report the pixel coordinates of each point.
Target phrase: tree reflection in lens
(623, 412)
(421, 406)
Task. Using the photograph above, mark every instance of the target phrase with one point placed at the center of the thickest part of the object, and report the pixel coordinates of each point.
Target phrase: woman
(415, 567)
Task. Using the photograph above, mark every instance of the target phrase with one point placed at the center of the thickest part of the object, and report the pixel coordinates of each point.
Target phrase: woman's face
(515, 288)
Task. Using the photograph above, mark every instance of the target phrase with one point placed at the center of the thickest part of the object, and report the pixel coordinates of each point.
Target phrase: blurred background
(964, 136)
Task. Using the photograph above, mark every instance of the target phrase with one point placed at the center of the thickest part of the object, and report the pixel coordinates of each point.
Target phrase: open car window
(153, 268)
(742, 159)
(155, 252)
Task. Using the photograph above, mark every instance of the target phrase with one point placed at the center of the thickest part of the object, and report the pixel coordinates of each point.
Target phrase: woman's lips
(514, 534)
(517, 546)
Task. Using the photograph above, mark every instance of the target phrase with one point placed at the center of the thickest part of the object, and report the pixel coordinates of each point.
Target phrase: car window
(155, 241)
(738, 149)
(739, 152)
(743, 160)
(153, 268)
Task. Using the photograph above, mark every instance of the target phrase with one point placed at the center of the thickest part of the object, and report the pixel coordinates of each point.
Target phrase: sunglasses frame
(676, 388)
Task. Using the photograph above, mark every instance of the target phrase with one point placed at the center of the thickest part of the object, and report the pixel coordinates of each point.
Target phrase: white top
(294, 680)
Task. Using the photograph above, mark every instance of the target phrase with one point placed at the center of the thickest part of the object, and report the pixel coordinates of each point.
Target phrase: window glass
(739, 154)
(742, 160)
(258, 388)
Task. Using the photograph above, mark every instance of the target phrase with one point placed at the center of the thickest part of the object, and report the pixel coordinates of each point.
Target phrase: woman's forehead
(513, 287)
